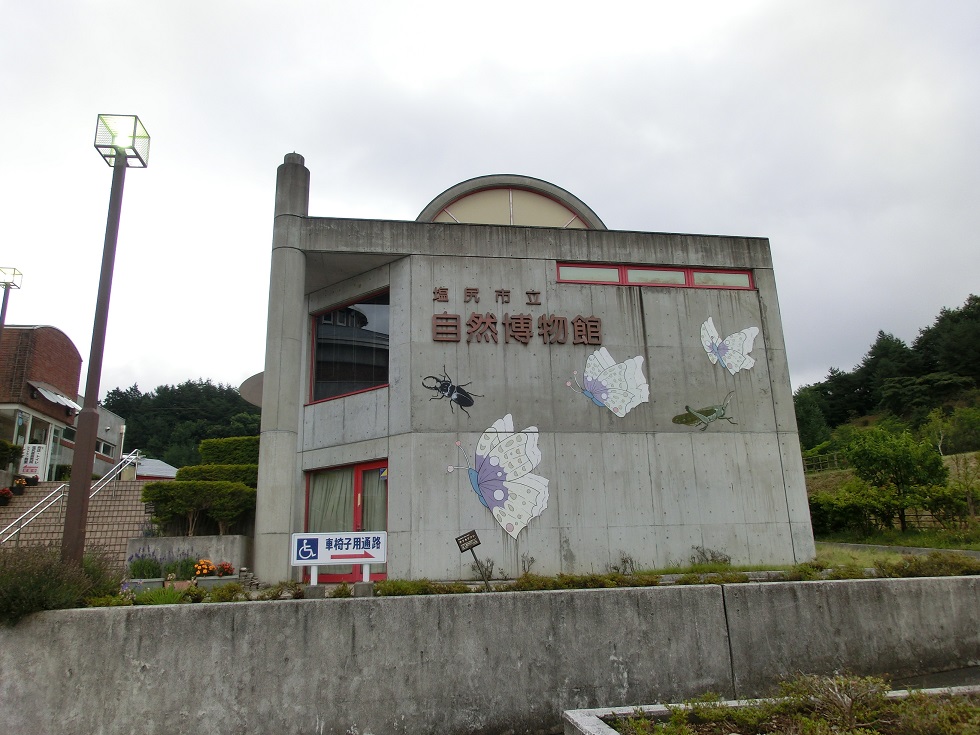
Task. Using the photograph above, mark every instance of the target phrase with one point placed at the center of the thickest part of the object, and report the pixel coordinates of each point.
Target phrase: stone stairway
(115, 515)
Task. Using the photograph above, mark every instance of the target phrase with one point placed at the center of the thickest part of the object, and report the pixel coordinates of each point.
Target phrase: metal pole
(3, 310)
(83, 461)
(482, 573)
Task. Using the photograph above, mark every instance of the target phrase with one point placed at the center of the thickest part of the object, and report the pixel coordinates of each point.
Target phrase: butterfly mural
(619, 386)
(733, 351)
(502, 477)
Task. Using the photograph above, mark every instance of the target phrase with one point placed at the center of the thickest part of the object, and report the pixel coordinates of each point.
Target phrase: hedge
(177, 501)
(247, 474)
(232, 450)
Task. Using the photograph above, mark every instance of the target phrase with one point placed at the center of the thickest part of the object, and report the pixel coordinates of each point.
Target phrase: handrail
(58, 494)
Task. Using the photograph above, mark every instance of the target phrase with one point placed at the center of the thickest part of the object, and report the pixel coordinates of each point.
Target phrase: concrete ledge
(476, 663)
(593, 721)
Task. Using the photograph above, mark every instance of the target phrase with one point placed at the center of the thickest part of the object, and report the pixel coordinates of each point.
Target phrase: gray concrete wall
(500, 663)
(639, 485)
(236, 550)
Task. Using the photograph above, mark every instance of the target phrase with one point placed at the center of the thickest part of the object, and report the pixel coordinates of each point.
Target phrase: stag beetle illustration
(445, 387)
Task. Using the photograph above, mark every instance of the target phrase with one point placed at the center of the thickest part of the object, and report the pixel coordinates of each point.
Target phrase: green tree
(170, 422)
(810, 421)
(897, 464)
(952, 343)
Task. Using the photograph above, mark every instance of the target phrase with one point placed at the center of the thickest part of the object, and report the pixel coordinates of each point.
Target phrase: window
(351, 348)
(105, 448)
(348, 499)
(629, 275)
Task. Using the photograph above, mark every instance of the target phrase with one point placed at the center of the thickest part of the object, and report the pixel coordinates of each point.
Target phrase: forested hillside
(930, 388)
(168, 423)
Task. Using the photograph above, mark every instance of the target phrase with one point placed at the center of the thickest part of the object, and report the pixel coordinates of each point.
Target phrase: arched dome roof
(508, 199)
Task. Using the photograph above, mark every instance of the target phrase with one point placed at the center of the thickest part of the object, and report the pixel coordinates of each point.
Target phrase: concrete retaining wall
(237, 550)
(507, 662)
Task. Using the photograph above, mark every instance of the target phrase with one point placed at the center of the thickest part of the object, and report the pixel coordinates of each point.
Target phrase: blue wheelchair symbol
(307, 549)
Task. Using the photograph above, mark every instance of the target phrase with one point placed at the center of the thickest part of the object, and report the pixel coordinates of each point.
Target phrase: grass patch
(818, 705)
(966, 539)
(834, 556)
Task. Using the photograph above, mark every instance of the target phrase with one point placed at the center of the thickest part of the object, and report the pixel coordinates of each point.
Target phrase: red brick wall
(38, 353)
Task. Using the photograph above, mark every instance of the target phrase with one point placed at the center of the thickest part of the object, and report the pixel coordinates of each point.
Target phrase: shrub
(109, 601)
(185, 501)
(231, 450)
(287, 589)
(844, 701)
(33, 578)
(161, 596)
(934, 564)
(247, 474)
(400, 587)
(342, 590)
(231, 592)
(9, 453)
(193, 593)
(181, 566)
(103, 572)
(144, 564)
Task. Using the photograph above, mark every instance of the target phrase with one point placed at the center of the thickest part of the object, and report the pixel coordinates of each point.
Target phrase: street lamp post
(124, 143)
(9, 278)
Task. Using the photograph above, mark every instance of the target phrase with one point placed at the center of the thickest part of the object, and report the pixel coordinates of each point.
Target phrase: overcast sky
(845, 132)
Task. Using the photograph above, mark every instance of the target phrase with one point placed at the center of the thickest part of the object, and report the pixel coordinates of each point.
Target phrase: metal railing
(57, 496)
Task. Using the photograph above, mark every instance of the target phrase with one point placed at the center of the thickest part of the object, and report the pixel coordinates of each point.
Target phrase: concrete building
(579, 397)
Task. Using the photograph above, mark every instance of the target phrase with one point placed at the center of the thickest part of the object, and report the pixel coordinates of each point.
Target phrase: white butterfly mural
(619, 386)
(733, 351)
(501, 475)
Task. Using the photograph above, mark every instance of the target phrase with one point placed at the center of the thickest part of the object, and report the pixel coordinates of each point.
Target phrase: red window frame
(355, 575)
(623, 280)
(314, 321)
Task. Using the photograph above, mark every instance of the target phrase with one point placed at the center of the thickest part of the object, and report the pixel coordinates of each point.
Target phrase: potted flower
(18, 487)
(224, 568)
(204, 568)
(5, 495)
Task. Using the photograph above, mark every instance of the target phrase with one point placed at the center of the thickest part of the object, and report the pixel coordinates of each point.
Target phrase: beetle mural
(445, 388)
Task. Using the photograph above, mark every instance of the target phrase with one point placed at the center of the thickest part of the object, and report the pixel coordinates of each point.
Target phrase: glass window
(593, 274)
(654, 276)
(8, 420)
(352, 348)
(627, 275)
(20, 430)
(722, 279)
(39, 431)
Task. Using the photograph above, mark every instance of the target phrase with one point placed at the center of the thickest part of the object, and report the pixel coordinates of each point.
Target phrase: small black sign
(467, 541)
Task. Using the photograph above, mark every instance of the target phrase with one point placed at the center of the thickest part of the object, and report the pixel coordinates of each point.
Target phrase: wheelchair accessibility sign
(343, 547)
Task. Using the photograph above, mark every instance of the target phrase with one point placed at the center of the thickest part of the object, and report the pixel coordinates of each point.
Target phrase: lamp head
(10, 278)
(122, 135)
